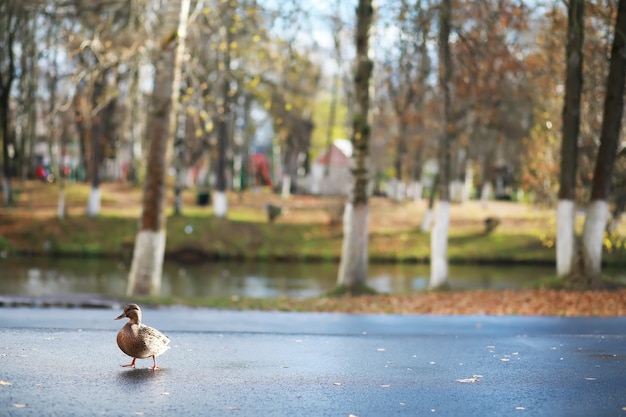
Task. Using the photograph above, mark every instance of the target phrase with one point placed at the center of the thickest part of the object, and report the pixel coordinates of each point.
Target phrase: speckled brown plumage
(138, 340)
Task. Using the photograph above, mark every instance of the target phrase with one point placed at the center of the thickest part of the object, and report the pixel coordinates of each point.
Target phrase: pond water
(107, 278)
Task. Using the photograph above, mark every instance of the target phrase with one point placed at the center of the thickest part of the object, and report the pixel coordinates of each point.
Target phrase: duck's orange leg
(131, 365)
(154, 367)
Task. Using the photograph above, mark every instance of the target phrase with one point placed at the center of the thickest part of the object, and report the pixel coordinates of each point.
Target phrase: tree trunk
(248, 135)
(439, 246)
(10, 19)
(55, 137)
(565, 237)
(428, 215)
(597, 210)
(332, 111)
(147, 265)
(354, 255)
(7, 194)
(83, 128)
(596, 216)
(179, 161)
(28, 86)
(136, 121)
(398, 192)
(285, 191)
(220, 201)
(290, 168)
(439, 235)
(565, 215)
(97, 133)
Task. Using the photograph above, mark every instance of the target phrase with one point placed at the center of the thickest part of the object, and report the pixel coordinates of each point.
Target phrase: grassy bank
(309, 229)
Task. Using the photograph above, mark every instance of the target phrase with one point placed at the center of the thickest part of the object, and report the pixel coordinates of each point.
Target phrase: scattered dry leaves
(535, 302)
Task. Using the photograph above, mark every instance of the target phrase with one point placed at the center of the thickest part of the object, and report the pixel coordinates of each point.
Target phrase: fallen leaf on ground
(474, 378)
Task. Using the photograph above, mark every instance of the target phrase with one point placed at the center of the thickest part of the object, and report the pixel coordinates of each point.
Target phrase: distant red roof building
(340, 153)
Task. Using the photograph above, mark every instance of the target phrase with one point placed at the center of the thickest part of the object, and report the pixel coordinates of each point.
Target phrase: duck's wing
(155, 341)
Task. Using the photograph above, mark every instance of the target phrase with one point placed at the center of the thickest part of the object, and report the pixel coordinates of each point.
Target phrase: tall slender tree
(565, 243)
(27, 104)
(223, 120)
(598, 206)
(354, 257)
(405, 85)
(55, 139)
(439, 234)
(10, 20)
(332, 110)
(147, 265)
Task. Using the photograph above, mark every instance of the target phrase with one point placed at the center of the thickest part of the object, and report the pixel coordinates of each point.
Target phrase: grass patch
(352, 290)
(230, 303)
(577, 283)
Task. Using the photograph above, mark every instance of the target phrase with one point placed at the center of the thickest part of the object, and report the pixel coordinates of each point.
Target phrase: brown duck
(138, 340)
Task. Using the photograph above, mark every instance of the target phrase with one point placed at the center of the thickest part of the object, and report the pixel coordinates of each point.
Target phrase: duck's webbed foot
(154, 367)
(130, 365)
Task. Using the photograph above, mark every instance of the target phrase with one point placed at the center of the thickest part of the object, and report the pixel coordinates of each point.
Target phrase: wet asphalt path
(65, 362)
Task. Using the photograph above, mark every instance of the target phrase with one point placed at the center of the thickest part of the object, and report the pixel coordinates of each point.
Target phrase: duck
(138, 340)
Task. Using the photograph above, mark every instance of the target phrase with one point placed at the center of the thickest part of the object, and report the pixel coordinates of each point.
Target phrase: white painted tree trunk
(391, 188)
(456, 191)
(237, 172)
(145, 271)
(417, 188)
(220, 204)
(468, 183)
(354, 256)
(400, 191)
(286, 190)
(593, 236)
(93, 205)
(61, 205)
(439, 246)
(485, 194)
(6, 190)
(565, 243)
(427, 221)
(396, 190)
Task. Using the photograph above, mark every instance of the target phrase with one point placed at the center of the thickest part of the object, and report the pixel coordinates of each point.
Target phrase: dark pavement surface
(64, 362)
